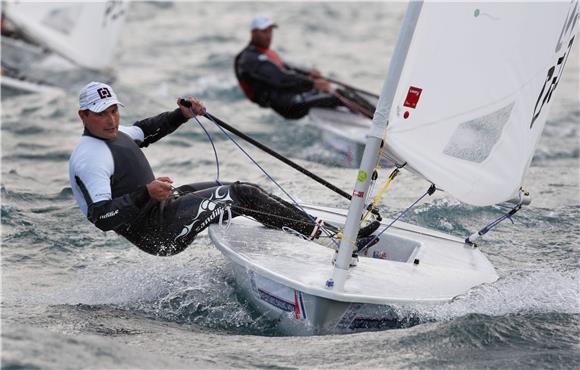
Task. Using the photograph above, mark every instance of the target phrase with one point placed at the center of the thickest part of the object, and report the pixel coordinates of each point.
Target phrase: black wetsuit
(268, 82)
(109, 177)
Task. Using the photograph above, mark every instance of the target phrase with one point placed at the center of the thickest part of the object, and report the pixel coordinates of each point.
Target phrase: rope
(279, 157)
(429, 192)
(219, 124)
(380, 193)
(217, 161)
(210, 118)
(213, 120)
(256, 163)
(473, 237)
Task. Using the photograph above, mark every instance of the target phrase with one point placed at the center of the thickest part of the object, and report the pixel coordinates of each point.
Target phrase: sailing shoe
(369, 229)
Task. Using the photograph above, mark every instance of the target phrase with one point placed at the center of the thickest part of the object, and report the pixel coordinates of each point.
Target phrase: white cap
(97, 96)
(261, 22)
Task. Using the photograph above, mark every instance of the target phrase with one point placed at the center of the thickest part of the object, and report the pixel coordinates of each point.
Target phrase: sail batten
(475, 91)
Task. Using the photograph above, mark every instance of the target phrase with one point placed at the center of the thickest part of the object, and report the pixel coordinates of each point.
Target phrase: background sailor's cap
(97, 96)
(261, 22)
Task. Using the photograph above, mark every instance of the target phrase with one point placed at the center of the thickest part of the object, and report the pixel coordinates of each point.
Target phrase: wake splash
(192, 290)
(196, 288)
(525, 293)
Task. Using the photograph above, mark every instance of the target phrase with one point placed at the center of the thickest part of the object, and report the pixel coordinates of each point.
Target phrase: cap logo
(104, 93)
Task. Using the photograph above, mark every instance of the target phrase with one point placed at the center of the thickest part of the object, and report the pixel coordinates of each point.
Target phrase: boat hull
(343, 132)
(289, 279)
(299, 313)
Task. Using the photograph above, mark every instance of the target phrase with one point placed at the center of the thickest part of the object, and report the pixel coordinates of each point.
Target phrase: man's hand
(314, 74)
(160, 188)
(196, 106)
(322, 85)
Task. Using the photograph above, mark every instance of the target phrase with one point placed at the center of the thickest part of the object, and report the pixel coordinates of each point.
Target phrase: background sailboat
(466, 115)
(342, 131)
(84, 32)
(57, 35)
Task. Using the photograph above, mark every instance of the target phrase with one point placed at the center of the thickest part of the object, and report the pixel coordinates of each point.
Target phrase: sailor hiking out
(116, 189)
(268, 81)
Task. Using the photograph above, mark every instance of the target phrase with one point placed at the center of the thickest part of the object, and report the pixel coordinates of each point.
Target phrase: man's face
(263, 38)
(104, 125)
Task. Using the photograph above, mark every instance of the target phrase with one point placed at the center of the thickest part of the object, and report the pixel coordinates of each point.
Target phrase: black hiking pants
(167, 228)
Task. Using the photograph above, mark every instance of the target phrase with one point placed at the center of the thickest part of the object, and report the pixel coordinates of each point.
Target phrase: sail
(475, 90)
(83, 32)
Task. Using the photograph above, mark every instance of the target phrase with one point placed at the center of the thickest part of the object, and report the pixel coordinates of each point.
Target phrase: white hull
(343, 131)
(14, 86)
(285, 276)
(300, 313)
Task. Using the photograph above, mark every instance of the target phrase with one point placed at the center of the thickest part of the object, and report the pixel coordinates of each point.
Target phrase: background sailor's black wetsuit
(289, 93)
(168, 227)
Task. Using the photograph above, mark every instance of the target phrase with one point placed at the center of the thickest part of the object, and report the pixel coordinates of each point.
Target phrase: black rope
(429, 192)
(217, 161)
(277, 155)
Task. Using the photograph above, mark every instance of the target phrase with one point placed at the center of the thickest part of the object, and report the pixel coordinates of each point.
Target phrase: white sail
(83, 32)
(475, 91)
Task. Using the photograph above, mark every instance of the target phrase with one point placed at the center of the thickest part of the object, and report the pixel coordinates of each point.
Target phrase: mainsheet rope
(217, 161)
(339, 234)
(429, 192)
(271, 178)
(469, 240)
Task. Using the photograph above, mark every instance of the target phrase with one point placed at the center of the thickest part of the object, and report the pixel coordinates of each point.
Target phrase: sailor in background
(269, 82)
(115, 188)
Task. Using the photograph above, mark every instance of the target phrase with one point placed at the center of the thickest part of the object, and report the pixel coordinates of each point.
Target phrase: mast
(372, 147)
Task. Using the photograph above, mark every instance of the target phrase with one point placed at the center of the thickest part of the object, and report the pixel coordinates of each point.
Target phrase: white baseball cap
(97, 96)
(261, 22)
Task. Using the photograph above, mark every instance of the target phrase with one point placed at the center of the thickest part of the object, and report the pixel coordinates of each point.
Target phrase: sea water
(75, 297)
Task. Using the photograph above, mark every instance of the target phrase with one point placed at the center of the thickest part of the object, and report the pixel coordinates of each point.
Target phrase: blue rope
(217, 161)
(429, 191)
(493, 224)
(207, 116)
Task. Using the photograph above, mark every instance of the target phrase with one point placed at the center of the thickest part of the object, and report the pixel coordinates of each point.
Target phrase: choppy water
(74, 297)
